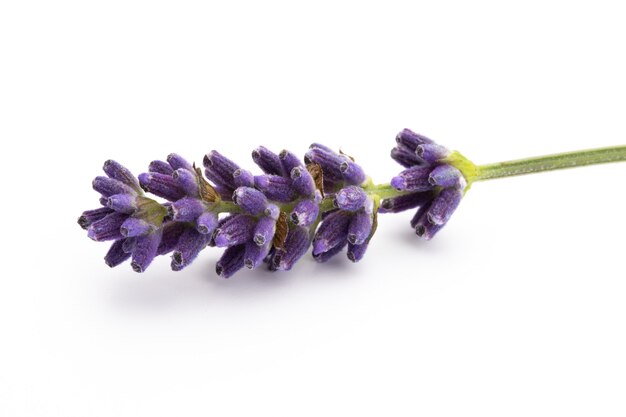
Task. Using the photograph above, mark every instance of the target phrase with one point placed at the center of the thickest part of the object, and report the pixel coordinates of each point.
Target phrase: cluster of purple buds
(325, 202)
(428, 183)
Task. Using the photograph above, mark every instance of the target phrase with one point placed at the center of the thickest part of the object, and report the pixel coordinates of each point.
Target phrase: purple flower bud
(235, 230)
(411, 140)
(160, 167)
(326, 256)
(332, 232)
(431, 152)
(320, 146)
(243, 178)
(232, 260)
(107, 228)
(187, 181)
(303, 182)
(118, 172)
(274, 187)
(133, 226)
(328, 160)
(145, 251)
(206, 223)
(129, 244)
(405, 157)
(356, 252)
(123, 203)
(186, 209)
(445, 176)
(218, 166)
(272, 211)
(254, 254)
(268, 161)
(109, 186)
(289, 160)
(264, 231)
(172, 231)
(444, 205)
(352, 172)
(351, 198)
(304, 213)
(296, 245)
(360, 227)
(90, 216)
(425, 229)
(178, 162)
(116, 254)
(420, 213)
(162, 185)
(413, 179)
(189, 245)
(405, 202)
(251, 200)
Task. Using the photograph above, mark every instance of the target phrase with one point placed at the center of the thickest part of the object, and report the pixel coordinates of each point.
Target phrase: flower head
(428, 183)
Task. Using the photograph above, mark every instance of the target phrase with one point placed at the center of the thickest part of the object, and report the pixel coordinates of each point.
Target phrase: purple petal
(218, 166)
(232, 260)
(405, 157)
(254, 254)
(302, 181)
(425, 229)
(178, 162)
(297, 243)
(145, 250)
(351, 198)
(109, 186)
(116, 254)
(413, 179)
(206, 223)
(133, 226)
(123, 203)
(445, 176)
(160, 167)
(352, 173)
(187, 209)
(326, 256)
(274, 187)
(356, 252)
(243, 178)
(129, 244)
(405, 202)
(107, 228)
(304, 213)
(360, 227)
(431, 152)
(118, 172)
(272, 211)
(411, 140)
(251, 200)
(264, 231)
(187, 181)
(328, 160)
(268, 161)
(332, 232)
(236, 230)
(91, 216)
(444, 205)
(189, 245)
(162, 185)
(289, 161)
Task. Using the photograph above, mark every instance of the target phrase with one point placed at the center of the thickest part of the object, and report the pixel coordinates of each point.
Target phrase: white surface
(517, 308)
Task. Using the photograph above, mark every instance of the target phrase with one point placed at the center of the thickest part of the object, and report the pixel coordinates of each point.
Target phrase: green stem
(550, 163)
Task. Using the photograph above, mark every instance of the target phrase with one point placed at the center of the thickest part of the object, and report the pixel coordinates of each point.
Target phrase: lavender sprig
(325, 202)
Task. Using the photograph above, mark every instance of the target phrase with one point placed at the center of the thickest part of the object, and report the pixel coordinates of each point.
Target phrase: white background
(517, 308)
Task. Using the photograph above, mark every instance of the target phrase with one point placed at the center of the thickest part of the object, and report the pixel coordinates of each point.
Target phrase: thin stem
(550, 162)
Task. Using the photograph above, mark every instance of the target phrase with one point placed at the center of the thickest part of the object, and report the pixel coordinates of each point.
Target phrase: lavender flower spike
(325, 201)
